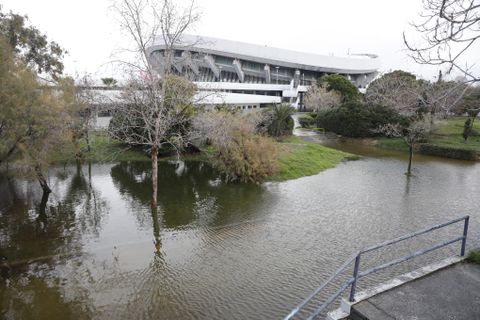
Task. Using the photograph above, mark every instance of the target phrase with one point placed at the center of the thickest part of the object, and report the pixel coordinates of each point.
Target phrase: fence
(357, 274)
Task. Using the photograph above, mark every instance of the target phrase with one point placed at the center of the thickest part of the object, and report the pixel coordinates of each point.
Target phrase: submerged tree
(78, 103)
(402, 92)
(417, 131)
(31, 117)
(158, 100)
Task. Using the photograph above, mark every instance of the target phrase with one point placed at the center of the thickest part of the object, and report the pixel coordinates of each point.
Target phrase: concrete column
(238, 68)
(268, 75)
(189, 62)
(296, 78)
(211, 64)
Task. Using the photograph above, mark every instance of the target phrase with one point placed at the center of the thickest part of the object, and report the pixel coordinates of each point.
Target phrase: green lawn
(299, 158)
(103, 149)
(392, 144)
(448, 133)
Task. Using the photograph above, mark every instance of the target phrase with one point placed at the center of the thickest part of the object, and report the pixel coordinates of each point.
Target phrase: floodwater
(213, 250)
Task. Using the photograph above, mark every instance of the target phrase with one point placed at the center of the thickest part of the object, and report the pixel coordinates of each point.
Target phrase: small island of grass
(300, 158)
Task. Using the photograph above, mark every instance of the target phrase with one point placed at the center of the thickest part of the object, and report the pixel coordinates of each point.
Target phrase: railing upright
(356, 269)
(465, 233)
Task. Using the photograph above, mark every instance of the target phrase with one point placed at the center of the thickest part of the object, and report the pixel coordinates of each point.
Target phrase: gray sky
(87, 28)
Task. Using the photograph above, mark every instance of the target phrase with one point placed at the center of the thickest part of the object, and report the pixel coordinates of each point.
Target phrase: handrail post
(355, 278)
(465, 232)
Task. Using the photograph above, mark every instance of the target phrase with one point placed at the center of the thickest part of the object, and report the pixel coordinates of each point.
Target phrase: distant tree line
(396, 104)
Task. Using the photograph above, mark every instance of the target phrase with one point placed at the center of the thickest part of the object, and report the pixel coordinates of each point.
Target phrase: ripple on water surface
(213, 250)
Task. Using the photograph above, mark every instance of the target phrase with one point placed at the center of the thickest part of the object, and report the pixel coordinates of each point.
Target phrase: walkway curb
(345, 306)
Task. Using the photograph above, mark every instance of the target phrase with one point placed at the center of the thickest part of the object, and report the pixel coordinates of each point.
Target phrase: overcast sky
(87, 28)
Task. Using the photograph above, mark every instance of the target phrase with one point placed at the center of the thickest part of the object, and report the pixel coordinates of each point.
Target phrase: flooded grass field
(95, 250)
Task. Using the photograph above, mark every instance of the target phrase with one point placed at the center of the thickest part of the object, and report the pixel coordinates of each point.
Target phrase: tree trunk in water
(42, 180)
(410, 149)
(42, 214)
(87, 138)
(156, 230)
(154, 176)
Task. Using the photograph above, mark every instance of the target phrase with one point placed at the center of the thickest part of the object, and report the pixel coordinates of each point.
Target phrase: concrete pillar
(189, 62)
(211, 64)
(238, 68)
(268, 75)
(296, 78)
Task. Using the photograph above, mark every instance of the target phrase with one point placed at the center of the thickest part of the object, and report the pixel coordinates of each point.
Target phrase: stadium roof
(352, 64)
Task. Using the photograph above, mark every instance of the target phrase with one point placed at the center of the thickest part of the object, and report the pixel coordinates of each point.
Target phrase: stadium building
(251, 76)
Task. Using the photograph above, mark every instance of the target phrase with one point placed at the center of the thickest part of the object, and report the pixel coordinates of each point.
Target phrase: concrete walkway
(451, 293)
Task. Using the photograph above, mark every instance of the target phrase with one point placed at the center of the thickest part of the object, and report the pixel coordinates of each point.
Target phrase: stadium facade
(251, 76)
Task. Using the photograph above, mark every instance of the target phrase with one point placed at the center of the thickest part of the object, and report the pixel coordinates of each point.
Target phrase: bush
(306, 121)
(278, 120)
(354, 119)
(249, 158)
(448, 152)
(242, 153)
(313, 114)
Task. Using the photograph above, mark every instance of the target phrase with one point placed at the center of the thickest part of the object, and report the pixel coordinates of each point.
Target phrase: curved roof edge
(353, 64)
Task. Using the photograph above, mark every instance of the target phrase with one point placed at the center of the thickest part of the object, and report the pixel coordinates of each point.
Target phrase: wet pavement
(450, 293)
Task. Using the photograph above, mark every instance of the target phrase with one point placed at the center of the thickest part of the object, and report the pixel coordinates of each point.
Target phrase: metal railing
(352, 281)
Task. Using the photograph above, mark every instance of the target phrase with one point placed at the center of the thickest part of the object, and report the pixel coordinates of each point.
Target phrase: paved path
(452, 293)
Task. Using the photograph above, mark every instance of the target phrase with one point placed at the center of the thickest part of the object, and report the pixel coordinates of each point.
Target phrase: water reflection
(37, 297)
(94, 248)
(188, 194)
(39, 231)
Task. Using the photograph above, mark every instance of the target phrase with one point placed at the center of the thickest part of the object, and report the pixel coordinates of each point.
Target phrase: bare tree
(79, 101)
(319, 98)
(449, 29)
(402, 92)
(398, 90)
(153, 104)
(417, 131)
(441, 97)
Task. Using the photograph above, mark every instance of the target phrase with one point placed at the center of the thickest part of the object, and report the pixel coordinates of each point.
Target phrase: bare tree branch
(449, 29)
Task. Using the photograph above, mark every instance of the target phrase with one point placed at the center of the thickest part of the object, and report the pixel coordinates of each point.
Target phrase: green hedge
(313, 114)
(306, 121)
(448, 152)
(357, 120)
